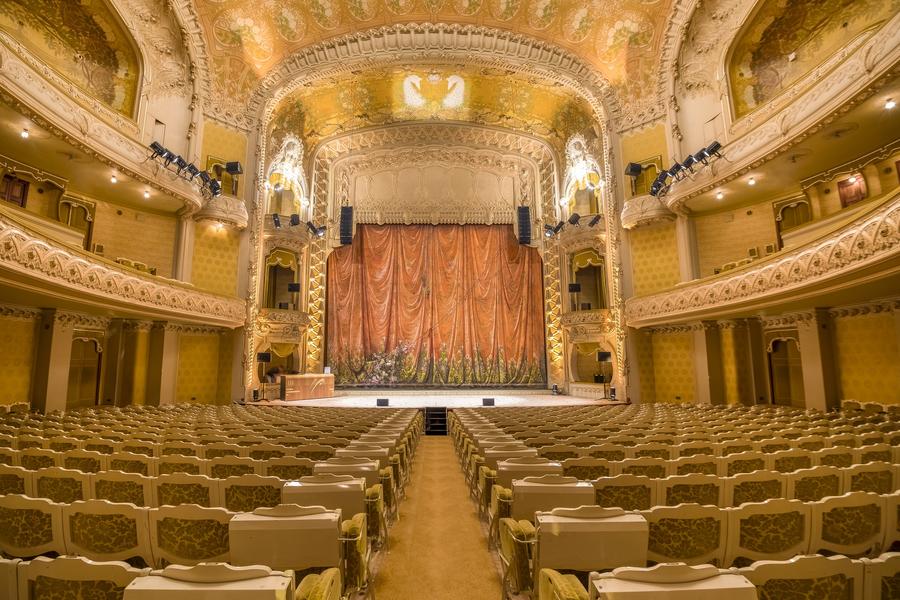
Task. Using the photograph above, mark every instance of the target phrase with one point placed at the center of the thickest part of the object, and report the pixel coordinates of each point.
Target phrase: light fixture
(114, 179)
(295, 220)
(689, 162)
(316, 231)
(157, 148)
(548, 231)
(574, 218)
(889, 104)
(219, 226)
(146, 194)
(559, 227)
(751, 181)
(594, 220)
(278, 187)
(852, 179)
(24, 134)
(276, 220)
(719, 195)
(192, 171)
(215, 188)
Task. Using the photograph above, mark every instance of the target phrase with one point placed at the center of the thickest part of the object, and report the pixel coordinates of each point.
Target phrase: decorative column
(162, 364)
(53, 358)
(710, 381)
(817, 359)
(114, 364)
(758, 357)
(872, 179)
(184, 248)
(685, 240)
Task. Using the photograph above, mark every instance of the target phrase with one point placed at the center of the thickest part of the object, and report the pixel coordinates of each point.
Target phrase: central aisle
(437, 549)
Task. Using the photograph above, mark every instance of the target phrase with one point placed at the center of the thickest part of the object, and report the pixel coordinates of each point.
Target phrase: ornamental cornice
(281, 326)
(186, 329)
(289, 240)
(670, 329)
(869, 240)
(80, 320)
(788, 320)
(224, 209)
(581, 334)
(777, 127)
(137, 325)
(26, 255)
(437, 43)
(600, 317)
(582, 237)
(113, 142)
(19, 313)
(644, 210)
(888, 306)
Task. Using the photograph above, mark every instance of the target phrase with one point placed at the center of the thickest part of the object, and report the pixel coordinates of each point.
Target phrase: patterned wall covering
(786, 39)
(867, 355)
(673, 366)
(644, 350)
(654, 258)
(248, 38)
(485, 96)
(225, 144)
(215, 266)
(134, 375)
(82, 40)
(17, 345)
(736, 369)
(198, 368)
(115, 227)
(226, 356)
(643, 144)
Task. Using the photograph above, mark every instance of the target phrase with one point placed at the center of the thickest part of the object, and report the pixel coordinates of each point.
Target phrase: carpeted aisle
(437, 549)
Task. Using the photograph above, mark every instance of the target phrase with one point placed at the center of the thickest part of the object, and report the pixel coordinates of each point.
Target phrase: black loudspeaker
(487, 402)
(284, 306)
(276, 219)
(604, 356)
(612, 393)
(264, 357)
(381, 402)
(295, 220)
(633, 169)
(574, 288)
(524, 225)
(294, 288)
(346, 225)
(256, 394)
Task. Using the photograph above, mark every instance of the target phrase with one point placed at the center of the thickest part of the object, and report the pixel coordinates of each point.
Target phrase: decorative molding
(224, 209)
(890, 306)
(19, 313)
(196, 329)
(776, 127)
(866, 241)
(852, 166)
(84, 277)
(600, 317)
(670, 329)
(137, 325)
(572, 239)
(281, 326)
(436, 43)
(79, 320)
(644, 210)
(787, 320)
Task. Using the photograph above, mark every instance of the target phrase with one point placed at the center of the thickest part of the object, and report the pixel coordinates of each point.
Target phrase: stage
(445, 398)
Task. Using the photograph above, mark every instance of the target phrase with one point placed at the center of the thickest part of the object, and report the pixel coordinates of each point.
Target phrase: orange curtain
(443, 305)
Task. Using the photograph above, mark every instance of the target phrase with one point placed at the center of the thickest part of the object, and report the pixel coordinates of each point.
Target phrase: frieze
(19, 313)
(888, 306)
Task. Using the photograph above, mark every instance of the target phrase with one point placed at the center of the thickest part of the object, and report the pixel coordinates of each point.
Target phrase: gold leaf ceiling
(619, 38)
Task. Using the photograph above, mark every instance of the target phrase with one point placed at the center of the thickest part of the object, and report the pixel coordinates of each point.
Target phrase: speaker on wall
(381, 402)
(604, 356)
(264, 357)
(295, 220)
(284, 306)
(294, 288)
(574, 288)
(346, 229)
(524, 225)
(633, 169)
(487, 402)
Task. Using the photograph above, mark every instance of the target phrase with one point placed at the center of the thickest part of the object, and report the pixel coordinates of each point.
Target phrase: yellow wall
(673, 367)
(226, 350)
(727, 236)
(654, 258)
(644, 347)
(17, 343)
(868, 358)
(136, 235)
(644, 144)
(228, 145)
(198, 369)
(215, 266)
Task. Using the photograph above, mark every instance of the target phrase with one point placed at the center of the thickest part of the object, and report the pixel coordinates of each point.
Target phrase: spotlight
(157, 149)
(701, 158)
(713, 149)
(751, 181)
(719, 195)
(192, 171)
(215, 188)
(852, 179)
(168, 156)
(312, 228)
(320, 232)
(633, 169)
(675, 171)
(689, 162)
(276, 220)
(180, 163)
(146, 194)
(889, 104)
(548, 231)
(595, 220)
(655, 188)
(234, 168)
(24, 134)
(574, 218)
(114, 179)
(295, 220)
(558, 227)
(204, 177)
(278, 187)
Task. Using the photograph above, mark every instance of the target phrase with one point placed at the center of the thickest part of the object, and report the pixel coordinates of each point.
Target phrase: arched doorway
(786, 373)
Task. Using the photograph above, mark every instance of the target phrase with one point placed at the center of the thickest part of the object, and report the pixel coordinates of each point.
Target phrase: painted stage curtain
(445, 305)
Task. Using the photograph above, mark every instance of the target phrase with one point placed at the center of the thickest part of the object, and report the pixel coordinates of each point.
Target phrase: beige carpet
(437, 549)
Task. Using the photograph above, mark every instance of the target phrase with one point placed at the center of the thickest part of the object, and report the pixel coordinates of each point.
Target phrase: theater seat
(322, 586)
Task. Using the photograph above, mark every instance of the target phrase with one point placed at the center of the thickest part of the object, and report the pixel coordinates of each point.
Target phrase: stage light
(204, 177)
(559, 227)
(157, 149)
(180, 163)
(192, 171)
(215, 188)
(234, 168)
(24, 134)
(889, 104)
(852, 179)
(320, 232)
(278, 187)
(713, 149)
(295, 220)
(146, 194)
(633, 169)
(114, 179)
(168, 156)
(595, 220)
(689, 162)
(675, 171)
(574, 218)
(548, 231)
(276, 220)
(700, 157)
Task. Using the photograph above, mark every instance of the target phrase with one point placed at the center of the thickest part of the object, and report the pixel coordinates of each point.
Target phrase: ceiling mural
(620, 38)
(483, 96)
(83, 41)
(786, 39)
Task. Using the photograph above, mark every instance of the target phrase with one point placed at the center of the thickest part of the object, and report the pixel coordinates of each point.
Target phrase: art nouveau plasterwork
(36, 259)
(871, 239)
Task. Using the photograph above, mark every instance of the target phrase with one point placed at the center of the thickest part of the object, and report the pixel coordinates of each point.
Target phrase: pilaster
(686, 242)
(817, 360)
(184, 249)
(53, 358)
(708, 371)
(162, 364)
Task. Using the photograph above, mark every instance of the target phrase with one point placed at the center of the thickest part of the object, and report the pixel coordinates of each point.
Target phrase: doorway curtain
(438, 306)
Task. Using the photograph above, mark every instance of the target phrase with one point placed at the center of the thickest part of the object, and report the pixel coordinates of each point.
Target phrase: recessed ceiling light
(114, 179)
(890, 103)
(852, 179)
(24, 134)
(719, 195)
(146, 194)
(751, 181)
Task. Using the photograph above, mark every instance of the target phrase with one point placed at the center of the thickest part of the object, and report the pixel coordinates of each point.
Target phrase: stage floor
(447, 398)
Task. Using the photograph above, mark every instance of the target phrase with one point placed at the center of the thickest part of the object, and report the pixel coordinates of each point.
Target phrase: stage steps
(436, 420)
